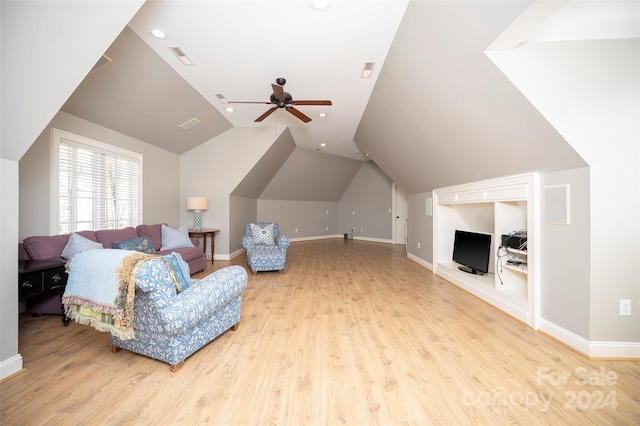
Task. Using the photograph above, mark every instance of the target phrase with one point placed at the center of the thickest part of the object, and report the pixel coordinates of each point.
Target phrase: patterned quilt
(101, 288)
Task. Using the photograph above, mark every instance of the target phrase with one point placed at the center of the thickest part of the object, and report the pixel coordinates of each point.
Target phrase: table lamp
(197, 204)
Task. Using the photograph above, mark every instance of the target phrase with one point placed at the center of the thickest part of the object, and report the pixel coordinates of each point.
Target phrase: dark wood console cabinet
(38, 276)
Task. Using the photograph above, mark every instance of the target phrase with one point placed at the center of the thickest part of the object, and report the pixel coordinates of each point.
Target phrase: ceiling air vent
(367, 70)
(221, 98)
(181, 55)
(189, 124)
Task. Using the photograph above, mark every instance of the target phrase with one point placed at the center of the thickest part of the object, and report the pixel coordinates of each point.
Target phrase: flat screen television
(472, 250)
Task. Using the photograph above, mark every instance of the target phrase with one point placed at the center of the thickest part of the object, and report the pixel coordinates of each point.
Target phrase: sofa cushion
(108, 236)
(23, 254)
(140, 244)
(153, 233)
(263, 234)
(50, 247)
(175, 238)
(78, 243)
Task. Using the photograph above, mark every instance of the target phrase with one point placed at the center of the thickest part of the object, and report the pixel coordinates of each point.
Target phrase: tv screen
(472, 250)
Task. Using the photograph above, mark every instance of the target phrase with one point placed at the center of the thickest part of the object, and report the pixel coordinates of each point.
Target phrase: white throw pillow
(175, 238)
(78, 243)
(263, 234)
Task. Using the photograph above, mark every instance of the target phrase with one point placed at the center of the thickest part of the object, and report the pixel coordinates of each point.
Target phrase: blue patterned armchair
(266, 248)
(171, 326)
(150, 304)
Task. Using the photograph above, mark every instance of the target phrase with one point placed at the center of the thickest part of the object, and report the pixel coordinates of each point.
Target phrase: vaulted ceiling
(436, 110)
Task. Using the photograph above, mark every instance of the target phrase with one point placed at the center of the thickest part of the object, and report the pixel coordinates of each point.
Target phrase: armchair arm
(283, 242)
(203, 299)
(248, 243)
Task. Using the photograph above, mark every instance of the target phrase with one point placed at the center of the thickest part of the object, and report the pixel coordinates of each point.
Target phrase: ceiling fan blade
(278, 91)
(249, 102)
(328, 103)
(298, 114)
(265, 115)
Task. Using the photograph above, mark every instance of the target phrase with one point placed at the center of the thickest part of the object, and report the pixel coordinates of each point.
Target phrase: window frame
(57, 137)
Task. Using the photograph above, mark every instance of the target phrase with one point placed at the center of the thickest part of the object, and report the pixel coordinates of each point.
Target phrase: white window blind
(98, 186)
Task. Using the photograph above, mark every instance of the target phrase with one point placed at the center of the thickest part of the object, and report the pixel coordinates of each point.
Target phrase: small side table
(40, 276)
(204, 232)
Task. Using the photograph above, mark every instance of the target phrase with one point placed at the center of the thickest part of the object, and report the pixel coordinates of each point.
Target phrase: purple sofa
(51, 247)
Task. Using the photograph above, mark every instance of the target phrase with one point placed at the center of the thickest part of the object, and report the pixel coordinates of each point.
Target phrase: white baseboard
(319, 237)
(592, 349)
(373, 240)
(340, 236)
(420, 261)
(10, 366)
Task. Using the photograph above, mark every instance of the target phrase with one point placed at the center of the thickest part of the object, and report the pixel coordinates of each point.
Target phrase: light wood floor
(351, 333)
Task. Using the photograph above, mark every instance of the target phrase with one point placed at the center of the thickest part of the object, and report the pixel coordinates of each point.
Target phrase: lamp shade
(196, 203)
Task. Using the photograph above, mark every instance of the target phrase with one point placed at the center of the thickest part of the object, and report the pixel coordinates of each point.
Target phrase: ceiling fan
(282, 99)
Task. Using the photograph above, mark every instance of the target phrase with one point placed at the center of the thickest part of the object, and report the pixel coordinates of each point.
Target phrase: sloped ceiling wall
(311, 176)
(139, 95)
(442, 113)
(257, 179)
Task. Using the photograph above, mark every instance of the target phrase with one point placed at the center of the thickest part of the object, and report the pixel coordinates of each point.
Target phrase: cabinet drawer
(54, 279)
(30, 284)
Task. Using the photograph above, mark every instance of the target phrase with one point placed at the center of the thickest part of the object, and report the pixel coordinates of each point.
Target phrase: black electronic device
(515, 240)
(472, 250)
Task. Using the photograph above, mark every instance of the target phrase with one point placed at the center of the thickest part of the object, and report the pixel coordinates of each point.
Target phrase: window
(97, 186)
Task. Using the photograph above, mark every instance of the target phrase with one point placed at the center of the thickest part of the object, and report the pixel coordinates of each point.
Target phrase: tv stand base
(470, 270)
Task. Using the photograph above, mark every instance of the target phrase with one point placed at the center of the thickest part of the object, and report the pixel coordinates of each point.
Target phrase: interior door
(400, 215)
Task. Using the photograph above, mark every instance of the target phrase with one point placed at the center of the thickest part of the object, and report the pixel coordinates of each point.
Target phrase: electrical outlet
(625, 307)
(326, 228)
(418, 244)
(361, 229)
(296, 231)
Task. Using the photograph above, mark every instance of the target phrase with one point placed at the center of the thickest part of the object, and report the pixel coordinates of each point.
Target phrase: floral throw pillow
(263, 234)
(143, 245)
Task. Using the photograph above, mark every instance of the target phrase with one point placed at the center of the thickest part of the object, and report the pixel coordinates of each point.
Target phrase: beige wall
(160, 176)
(214, 169)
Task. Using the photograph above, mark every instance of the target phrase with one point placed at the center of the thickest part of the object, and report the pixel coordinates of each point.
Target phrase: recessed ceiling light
(319, 5)
(158, 33)
(322, 114)
(323, 144)
(229, 109)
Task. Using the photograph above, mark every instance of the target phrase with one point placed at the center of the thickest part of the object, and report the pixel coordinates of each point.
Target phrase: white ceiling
(239, 48)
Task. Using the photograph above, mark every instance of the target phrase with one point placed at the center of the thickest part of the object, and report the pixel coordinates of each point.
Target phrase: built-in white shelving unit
(497, 207)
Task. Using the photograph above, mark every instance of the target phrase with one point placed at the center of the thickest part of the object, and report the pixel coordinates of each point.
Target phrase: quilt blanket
(101, 288)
